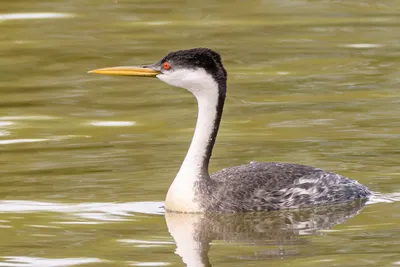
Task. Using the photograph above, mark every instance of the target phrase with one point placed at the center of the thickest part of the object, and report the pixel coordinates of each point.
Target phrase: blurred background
(310, 82)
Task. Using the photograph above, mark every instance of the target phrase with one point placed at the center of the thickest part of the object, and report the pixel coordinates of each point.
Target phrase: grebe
(257, 186)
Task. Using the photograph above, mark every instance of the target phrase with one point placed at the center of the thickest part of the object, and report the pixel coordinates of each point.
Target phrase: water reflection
(193, 233)
(313, 82)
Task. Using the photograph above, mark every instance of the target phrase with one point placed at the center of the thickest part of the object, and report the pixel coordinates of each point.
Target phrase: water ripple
(43, 262)
(17, 141)
(92, 211)
(42, 15)
(113, 123)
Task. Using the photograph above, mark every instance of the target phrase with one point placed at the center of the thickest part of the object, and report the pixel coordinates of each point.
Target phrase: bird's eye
(166, 66)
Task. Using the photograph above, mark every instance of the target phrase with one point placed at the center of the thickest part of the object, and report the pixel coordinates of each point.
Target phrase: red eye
(166, 66)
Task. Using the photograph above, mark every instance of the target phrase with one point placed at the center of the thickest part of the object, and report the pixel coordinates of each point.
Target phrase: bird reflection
(278, 229)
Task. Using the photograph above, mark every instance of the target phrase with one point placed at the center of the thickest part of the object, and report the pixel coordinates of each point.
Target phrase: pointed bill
(128, 70)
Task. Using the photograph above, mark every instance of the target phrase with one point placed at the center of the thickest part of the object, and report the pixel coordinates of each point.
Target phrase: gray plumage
(261, 186)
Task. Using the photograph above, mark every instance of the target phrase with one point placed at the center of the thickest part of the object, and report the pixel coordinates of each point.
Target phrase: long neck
(181, 195)
(197, 159)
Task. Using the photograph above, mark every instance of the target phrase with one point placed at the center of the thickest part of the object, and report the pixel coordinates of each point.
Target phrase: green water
(86, 160)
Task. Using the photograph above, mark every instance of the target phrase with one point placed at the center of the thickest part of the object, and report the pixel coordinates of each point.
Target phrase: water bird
(257, 186)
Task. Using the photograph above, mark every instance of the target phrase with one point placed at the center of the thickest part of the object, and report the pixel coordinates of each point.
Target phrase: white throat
(181, 194)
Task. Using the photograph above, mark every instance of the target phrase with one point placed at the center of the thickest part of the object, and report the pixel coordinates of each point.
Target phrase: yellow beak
(130, 71)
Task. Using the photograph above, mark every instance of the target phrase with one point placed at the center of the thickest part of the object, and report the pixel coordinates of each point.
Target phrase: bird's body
(252, 187)
(260, 186)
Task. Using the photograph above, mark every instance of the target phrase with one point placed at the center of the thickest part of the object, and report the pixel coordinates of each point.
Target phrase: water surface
(86, 160)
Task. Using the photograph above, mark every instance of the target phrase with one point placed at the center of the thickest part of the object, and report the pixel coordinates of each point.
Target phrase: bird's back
(260, 186)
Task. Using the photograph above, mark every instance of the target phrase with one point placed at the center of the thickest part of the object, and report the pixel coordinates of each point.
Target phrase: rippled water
(86, 160)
